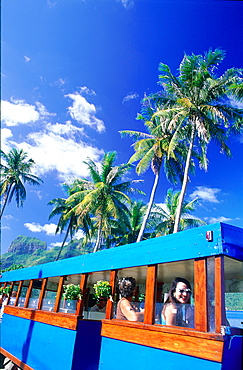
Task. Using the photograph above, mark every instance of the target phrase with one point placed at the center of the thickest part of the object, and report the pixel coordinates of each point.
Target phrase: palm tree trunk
(185, 180)
(150, 204)
(97, 244)
(6, 201)
(64, 241)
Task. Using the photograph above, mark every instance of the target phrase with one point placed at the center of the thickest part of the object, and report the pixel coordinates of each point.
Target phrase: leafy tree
(127, 232)
(67, 219)
(152, 149)
(167, 214)
(199, 105)
(103, 198)
(15, 172)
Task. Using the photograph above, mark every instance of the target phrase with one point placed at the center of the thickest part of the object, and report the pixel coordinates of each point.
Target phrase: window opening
(174, 294)
(130, 294)
(234, 292)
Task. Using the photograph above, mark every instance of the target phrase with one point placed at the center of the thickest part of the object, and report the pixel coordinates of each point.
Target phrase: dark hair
(126, 286)
(171, 298)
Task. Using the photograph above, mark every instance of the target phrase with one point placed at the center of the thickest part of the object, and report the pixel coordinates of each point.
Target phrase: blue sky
(73, 75)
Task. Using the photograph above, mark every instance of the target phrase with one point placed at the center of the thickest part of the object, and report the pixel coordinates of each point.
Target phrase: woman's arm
(170, 314)
(129, 312)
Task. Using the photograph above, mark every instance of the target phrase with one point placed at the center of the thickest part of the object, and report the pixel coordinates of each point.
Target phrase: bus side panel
(117, 354)
(233, 353)
(87, 347)
(41, 346)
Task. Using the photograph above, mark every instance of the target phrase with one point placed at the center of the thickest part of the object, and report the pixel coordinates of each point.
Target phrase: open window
(233, 272)
(136, 298)
(95, 306)
(23, 293)
(174, 298)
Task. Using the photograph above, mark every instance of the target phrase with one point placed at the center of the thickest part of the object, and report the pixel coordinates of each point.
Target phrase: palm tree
(167, 212)
(104, 198)
(199, 105)
(15, 171)
(67, 219)
(127, 232)
(152, 148)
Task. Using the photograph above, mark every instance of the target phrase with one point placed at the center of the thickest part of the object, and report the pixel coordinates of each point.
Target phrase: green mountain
(28, 251)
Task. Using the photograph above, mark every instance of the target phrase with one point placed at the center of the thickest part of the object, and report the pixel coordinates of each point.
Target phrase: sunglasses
(187, 291)
(101, 300)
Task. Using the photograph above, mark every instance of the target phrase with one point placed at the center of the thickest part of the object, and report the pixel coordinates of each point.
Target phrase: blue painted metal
(47, 347)
(41, 346)
(233, 353)
(119, 355)
(87, 346)
(175, 247)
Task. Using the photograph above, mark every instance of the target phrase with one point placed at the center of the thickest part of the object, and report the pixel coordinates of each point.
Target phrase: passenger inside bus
(100, 306)
(177, 310)
(126, 310)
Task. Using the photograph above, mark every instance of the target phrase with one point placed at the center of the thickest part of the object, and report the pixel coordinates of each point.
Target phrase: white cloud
(26, 59)
(79, 235)
(19, 112)
(127, 4)
(130, 96)
(212, 220)
(207, 194)
(49, 229)
(57, 244)
(84, 112)
(6, 134)
(38, 193)
(54, 152)
(65, 129)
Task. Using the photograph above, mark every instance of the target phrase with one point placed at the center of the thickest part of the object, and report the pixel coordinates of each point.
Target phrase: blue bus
(42, 330)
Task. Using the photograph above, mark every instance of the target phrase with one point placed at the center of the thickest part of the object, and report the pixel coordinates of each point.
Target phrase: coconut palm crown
(105, 197)
(200, 106)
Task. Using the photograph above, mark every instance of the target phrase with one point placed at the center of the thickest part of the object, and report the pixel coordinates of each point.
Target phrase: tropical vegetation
(192, 109)
(16, 170)
(164, 214)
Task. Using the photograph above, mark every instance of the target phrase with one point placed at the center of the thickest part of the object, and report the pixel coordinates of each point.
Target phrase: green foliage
(14, 266)
(7, 290)
(16, 170)
(102, 289)
(234, 301)
(141, 297)
(72, 292)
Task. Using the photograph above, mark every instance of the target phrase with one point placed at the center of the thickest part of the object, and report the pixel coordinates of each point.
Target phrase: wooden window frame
(80, 303)
(200, 295)
(110, 303)
(42, 293)
(59, 294)
(150, 296)
(220, 315)
(28, 293)
(18, 293)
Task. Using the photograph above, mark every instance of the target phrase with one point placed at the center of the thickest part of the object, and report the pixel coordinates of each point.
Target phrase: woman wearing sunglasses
(177, 310)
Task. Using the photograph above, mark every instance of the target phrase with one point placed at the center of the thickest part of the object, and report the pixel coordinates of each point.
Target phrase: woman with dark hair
(125, 309)
(177, 309)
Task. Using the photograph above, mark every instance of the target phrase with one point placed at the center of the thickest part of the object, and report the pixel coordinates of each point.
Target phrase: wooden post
(110, 304)
(220, 317)
(59, 294)
(150, 294)
(28, 294)
(42, 293)
(200, 294)
(18, 293)
(80, 303)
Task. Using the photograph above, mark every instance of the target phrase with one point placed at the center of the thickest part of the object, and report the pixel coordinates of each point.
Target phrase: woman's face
(182, 293)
